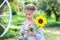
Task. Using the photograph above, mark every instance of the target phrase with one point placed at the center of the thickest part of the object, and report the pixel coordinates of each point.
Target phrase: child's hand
(31, 34)
(23, 32)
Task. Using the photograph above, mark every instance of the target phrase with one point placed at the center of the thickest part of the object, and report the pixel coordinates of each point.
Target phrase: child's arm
(39, 35)
(22, 28)
(22, 31)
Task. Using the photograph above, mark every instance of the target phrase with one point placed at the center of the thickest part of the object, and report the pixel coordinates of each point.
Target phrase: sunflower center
(40, 21)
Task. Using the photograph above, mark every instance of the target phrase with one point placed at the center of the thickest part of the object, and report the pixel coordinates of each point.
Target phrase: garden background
(48, 8)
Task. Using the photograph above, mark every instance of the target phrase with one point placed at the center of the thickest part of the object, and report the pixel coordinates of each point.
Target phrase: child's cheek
(28, 16)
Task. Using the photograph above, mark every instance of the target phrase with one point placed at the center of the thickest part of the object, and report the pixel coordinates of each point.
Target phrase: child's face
(29, 13)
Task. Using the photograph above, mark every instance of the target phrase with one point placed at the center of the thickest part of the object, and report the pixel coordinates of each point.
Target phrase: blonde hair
(30, 7)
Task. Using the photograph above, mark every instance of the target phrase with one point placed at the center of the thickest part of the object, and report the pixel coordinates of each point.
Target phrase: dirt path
(54, 32)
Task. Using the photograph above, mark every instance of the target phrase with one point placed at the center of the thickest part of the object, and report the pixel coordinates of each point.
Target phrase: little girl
(29, 10)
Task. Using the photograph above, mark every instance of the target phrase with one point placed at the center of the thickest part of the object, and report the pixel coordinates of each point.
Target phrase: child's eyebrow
(28, 14)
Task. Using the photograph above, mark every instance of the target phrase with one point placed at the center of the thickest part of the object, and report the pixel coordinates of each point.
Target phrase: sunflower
(40, 21)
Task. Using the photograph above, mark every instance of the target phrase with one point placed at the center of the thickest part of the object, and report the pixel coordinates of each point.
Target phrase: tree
(49, 7)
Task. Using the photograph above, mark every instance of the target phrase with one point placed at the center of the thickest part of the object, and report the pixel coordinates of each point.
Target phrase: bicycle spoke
(4, 15)
(2, 4)
(7, 15)
(2, 26)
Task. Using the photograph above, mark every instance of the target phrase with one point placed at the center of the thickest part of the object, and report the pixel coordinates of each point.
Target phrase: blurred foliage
(51, 21)
(1, 1)
(50, 9)
(14, 12)
(11, 33)
(1, 29)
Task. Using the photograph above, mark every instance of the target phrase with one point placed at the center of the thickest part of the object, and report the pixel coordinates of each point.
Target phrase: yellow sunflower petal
(40, 21)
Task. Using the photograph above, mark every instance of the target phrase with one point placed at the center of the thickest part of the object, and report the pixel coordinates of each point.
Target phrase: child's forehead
(28, 11)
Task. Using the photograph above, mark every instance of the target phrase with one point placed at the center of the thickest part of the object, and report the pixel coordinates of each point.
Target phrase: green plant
(9, 34)
(1, 29)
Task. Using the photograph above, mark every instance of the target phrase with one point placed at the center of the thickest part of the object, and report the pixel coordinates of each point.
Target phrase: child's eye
(28, 14)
